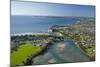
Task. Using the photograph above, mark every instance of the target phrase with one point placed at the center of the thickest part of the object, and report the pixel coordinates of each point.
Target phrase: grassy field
(24, 51)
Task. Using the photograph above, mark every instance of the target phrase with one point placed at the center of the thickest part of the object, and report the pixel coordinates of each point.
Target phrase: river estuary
(62, 52)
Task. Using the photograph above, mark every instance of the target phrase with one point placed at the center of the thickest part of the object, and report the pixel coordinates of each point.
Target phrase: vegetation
(24, 52)
(26, 47)
(82, 32)
(83, 41)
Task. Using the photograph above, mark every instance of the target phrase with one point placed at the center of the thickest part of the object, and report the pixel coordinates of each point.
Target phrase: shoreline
(79, 46)
(82, 50)
(28, 33)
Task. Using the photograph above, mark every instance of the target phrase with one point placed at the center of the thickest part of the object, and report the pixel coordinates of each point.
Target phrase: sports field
(24, 51)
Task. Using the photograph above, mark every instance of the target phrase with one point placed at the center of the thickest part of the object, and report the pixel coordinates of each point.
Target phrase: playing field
(24, 51)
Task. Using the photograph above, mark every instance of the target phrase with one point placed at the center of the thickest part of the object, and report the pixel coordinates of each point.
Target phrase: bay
(37, 24)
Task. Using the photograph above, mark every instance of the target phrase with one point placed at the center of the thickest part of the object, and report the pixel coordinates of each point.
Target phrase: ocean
(37, 24)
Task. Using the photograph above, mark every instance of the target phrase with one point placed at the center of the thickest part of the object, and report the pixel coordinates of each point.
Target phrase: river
(63, 52)
(69, 53)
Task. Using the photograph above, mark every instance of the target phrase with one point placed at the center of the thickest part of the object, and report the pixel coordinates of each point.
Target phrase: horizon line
(52, 15)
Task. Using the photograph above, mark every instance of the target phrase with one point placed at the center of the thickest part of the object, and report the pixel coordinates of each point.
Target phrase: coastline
(28, 33)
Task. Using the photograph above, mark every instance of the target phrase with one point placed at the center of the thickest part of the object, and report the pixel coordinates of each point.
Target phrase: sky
(51, 9)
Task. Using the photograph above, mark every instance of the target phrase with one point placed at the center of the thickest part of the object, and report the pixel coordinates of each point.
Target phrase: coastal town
(28, 47)
(82, 33)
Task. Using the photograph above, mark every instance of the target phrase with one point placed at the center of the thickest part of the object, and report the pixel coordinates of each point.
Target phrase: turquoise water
(70, 53)
(55, 55)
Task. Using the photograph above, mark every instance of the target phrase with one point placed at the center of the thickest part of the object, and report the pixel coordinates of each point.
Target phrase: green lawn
(24, 51)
